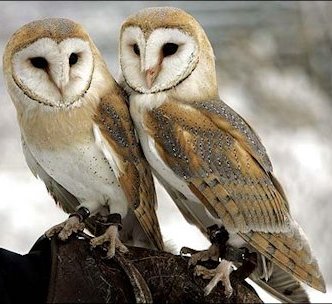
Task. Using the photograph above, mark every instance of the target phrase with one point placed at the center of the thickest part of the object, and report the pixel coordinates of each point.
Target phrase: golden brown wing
(115, 125)
(227, 119)
(231, 176)
(216, 164)
(291, 253)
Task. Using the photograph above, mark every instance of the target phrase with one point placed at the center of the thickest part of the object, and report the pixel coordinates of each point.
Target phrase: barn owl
(207, 157)
(77, 134)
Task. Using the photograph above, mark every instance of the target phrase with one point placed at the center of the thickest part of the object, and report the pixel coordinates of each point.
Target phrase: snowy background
(274, 65)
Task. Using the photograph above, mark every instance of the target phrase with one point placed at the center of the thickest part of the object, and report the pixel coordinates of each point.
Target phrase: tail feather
(279, 249)
(148, 221)
(282, 286)
(288, 257)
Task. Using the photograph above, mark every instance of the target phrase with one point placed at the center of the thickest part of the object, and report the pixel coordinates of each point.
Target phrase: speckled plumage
(205, 154)
(194, 138)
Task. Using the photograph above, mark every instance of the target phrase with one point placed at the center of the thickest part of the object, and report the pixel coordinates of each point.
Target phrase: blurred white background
(274, 64)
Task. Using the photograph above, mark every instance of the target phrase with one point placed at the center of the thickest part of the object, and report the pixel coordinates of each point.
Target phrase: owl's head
(50, 61)
(162, 47)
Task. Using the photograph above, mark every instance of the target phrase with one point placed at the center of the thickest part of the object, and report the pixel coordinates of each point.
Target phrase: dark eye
(39, 62)
(169, 49)
(136, 49)
(73, 58)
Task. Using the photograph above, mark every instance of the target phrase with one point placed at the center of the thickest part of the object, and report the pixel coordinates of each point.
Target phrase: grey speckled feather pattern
(226, 167)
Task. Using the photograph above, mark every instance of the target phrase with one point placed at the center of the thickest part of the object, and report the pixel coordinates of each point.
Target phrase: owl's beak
(151, 75)
(63, 82)
(61, 78)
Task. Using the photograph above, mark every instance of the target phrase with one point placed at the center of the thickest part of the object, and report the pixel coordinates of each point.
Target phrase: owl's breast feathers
(63, 130)
(225, 165)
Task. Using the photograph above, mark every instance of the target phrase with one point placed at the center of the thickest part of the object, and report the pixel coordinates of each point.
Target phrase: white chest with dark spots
(83, 170)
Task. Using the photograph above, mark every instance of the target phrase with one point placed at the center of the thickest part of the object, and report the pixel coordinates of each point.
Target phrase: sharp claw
(204, 272)
(197, 271)
(204, 255)
(110, 236)
(191, 262)
(122, 248)
(221, 273)
(111, 252)
(78, 228)
(187, 250)
(194, 259)
(66, 228)
(199, 256)
(71, 225)
(211, 285)
(207, 291)
(54, 230)
(63, 236)
(229, 291)
(97, 241)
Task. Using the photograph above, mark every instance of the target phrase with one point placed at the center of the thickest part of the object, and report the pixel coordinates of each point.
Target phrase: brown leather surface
(80, 274)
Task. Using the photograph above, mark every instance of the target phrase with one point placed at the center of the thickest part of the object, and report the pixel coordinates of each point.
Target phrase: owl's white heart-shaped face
(53, 73)
(159, 61)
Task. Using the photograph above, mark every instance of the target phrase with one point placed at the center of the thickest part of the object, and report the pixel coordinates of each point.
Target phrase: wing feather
(278, 248)
(218, 168)
(226, 167)
(227, 119)
(117, 134)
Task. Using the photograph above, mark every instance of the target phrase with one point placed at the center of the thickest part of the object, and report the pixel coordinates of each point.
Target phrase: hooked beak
(151, 75)
(61, 78)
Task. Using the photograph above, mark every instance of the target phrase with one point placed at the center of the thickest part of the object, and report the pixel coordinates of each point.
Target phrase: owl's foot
(65, 229)
(204, 255)
(218, 237)
(73, 224)
(220, 273)
(111, 236)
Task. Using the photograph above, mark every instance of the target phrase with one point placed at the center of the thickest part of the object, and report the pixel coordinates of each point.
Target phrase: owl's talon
(65, 229)
(187, 250)
(111, 236)
(220, 273)
(199, 256)
(204, 255)
(122, 248)
(203, 272)
(54, 230)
